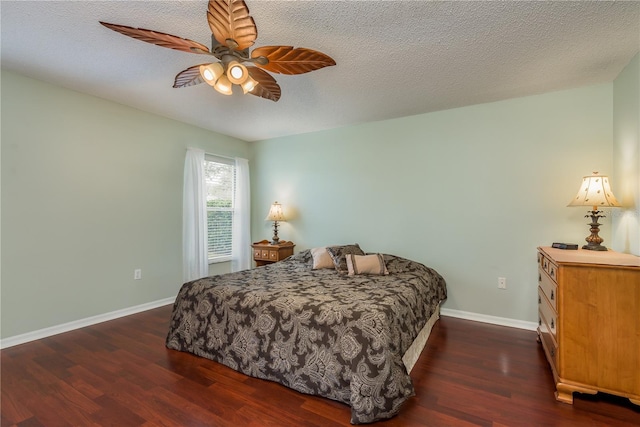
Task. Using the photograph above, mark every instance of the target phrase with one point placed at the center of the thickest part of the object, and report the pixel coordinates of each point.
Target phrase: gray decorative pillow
(303, 257)
(396, 264)
(338, 255)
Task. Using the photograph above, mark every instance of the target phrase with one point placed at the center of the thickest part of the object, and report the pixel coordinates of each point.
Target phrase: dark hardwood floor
(119, 373)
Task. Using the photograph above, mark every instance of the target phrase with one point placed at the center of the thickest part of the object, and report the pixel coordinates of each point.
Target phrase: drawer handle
(553, 352)
(539, 277)
(553, 325)
(539, 321)
(552, 295)
(553, 272)
(539, 300)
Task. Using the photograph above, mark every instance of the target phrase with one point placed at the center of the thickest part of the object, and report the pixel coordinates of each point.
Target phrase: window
(219, 176)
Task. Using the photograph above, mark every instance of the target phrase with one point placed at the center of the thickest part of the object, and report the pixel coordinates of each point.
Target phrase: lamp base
(275, 239)
(591, 247)
(594, 240)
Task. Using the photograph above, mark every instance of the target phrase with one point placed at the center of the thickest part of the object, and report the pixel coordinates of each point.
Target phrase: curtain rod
(212, 154)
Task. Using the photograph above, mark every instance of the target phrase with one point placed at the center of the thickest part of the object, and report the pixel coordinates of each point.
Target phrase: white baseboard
(502, 321)
(77, 324)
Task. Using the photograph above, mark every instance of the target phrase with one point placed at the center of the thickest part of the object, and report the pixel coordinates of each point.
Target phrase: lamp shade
(211, 72)
(249, 84)
(595, 191)
(237, 73)
(223, 85)
(275, 213)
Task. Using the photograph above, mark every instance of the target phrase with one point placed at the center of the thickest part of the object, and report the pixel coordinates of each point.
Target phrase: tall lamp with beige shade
(275, 214)
(595, 191)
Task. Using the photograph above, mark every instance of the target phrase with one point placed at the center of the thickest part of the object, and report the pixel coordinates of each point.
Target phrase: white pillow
(321, 258)
(366, 264)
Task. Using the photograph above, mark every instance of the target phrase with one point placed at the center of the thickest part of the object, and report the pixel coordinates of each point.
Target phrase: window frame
(231, 162)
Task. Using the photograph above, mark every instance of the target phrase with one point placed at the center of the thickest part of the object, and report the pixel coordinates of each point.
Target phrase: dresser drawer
(273, 255)
(548, 315)
(549, 344)
(548, 267)
(552, 271)
(549, 288)
(540, 260)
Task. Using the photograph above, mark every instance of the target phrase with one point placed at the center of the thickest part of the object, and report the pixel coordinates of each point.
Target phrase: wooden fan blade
(158, 38)
(267, 86)
(189, 77)
(287, 60)
(230, 19)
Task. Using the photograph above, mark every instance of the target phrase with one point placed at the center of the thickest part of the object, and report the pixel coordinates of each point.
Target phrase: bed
(319, 331)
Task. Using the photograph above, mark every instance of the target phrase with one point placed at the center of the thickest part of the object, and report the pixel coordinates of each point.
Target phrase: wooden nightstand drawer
(549, 288)
(265, 253)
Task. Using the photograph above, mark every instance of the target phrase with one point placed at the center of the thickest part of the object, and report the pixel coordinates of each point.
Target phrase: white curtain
(195, 263)
(241, 243)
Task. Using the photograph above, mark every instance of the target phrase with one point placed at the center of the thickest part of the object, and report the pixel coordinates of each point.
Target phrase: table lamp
(275, 215)
(595, 191)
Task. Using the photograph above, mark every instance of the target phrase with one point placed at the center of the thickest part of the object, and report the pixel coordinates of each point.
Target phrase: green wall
(626, 157)
(91, 190)
(470, 191)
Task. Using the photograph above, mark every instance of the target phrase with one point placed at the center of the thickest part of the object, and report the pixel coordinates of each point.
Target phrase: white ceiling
(394, 58)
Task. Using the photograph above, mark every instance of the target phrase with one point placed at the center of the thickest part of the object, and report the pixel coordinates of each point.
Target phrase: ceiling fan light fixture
(211, 72)
(233, 33)
(237, 73)
(224, 86)
(249, 84)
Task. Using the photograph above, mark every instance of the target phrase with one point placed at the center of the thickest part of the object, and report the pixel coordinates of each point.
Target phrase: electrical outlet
(137, 274)
(502, 283)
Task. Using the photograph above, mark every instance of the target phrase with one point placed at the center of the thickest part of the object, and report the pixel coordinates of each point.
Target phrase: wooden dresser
(589, 321)
(265, 253)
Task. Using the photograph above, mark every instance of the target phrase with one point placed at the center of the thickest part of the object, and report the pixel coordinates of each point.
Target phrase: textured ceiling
(394, 58)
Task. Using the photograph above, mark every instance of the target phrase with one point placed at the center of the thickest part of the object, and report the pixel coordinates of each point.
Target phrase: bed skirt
(413, 352)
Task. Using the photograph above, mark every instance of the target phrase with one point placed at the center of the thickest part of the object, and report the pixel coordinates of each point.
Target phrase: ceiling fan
(233, 33)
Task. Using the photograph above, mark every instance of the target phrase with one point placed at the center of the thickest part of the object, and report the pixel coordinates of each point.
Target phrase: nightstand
(265, 253)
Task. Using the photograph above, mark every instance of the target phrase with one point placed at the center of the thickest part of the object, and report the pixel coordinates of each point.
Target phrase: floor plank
(120, 373)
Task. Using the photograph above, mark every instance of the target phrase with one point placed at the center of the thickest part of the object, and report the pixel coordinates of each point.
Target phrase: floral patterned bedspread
(316, 331)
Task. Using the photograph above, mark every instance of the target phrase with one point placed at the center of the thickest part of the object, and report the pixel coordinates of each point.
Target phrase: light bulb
(236, 72)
